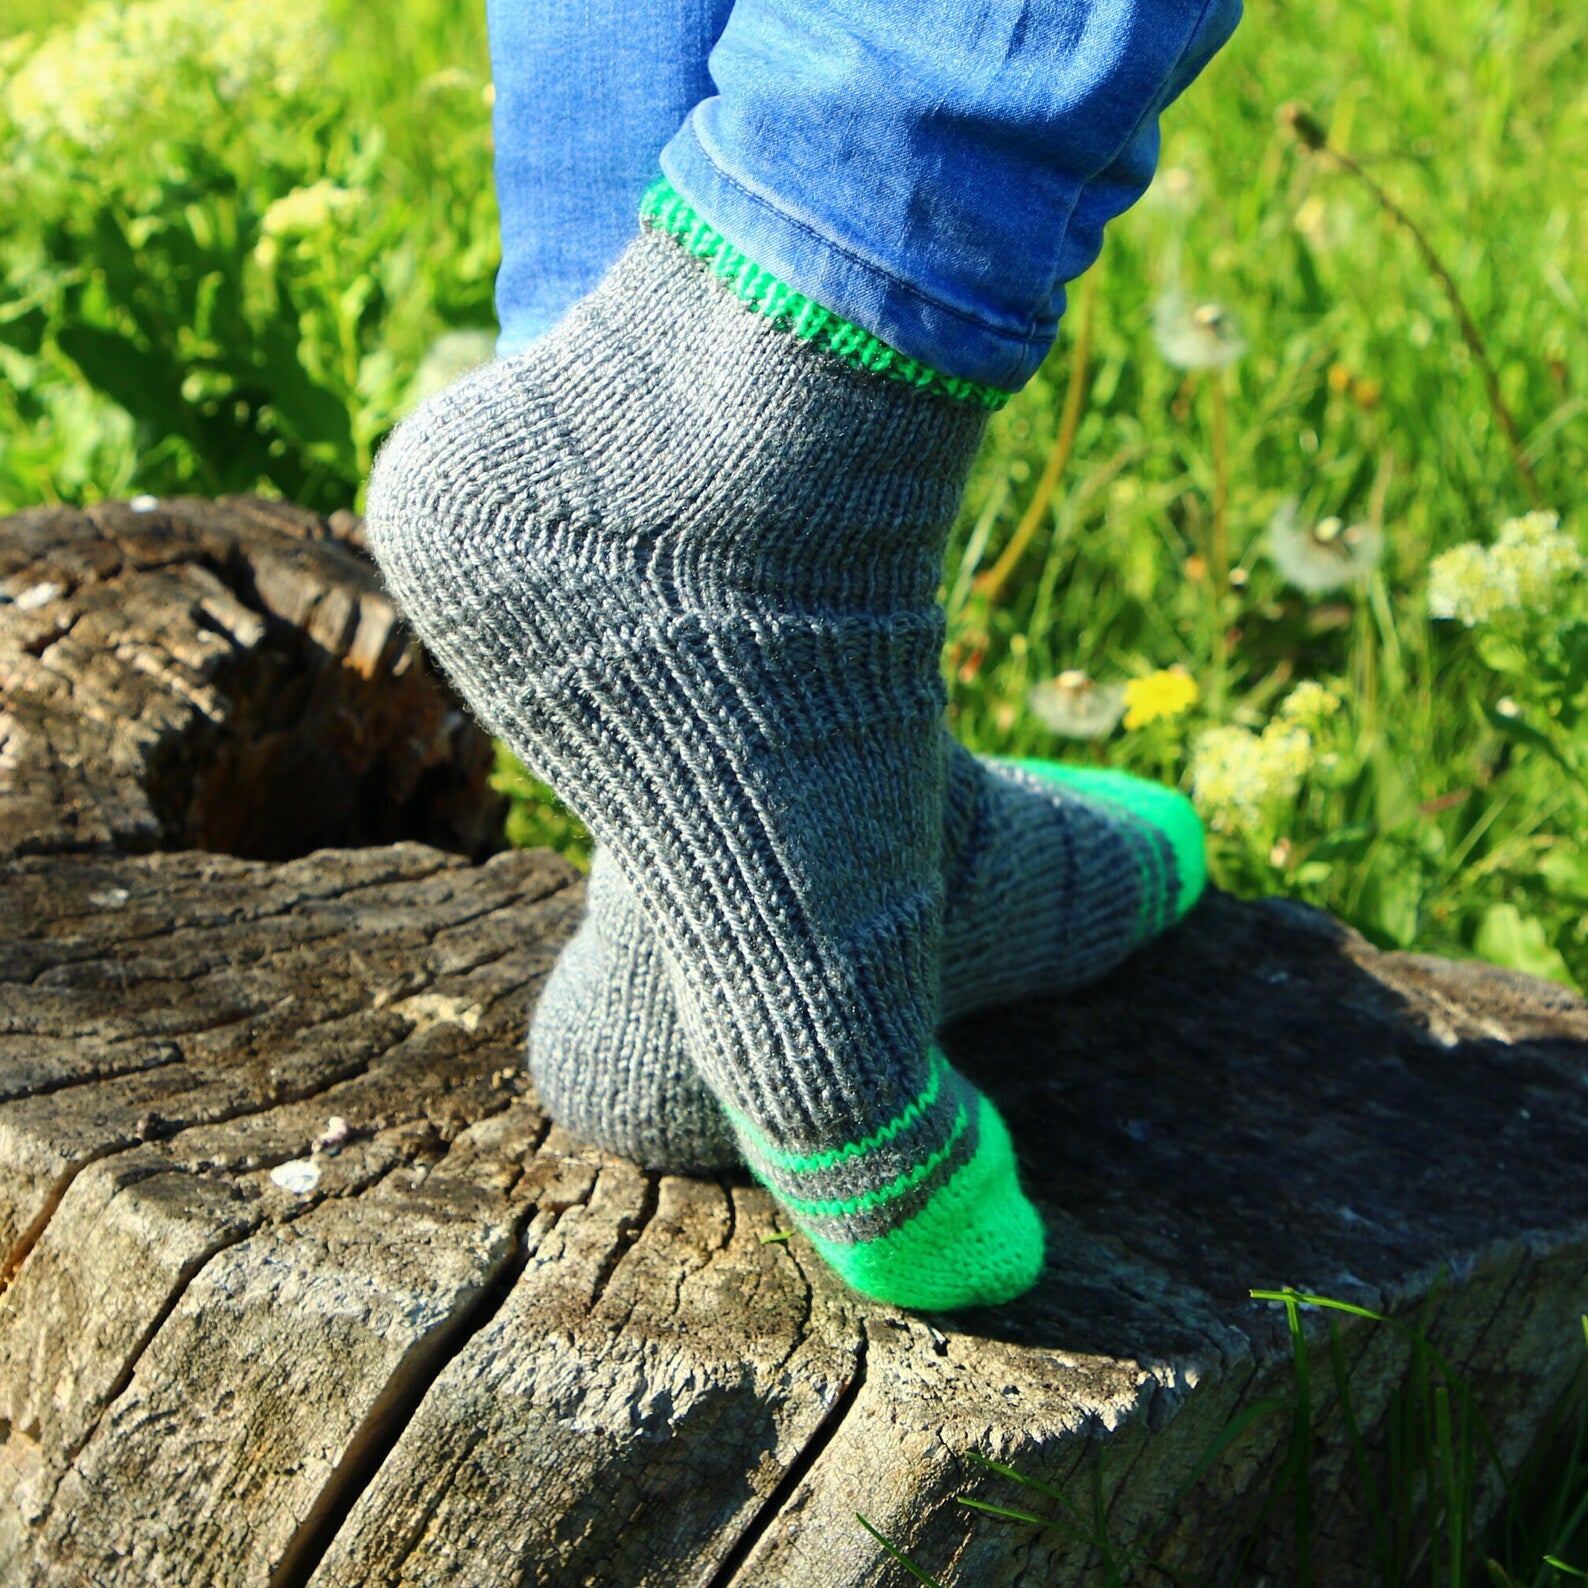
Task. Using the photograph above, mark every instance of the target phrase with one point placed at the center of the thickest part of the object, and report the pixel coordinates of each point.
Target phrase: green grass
(1357, 397)
(168, 323)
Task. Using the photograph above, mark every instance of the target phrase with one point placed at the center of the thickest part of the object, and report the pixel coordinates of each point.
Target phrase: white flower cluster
(161, 63)
(1524, 570)
(306, 210)
(1243, 781)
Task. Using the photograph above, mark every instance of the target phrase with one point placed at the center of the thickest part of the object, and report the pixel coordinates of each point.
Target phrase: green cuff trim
(978, 1242)
(1162, 807)
(664, 209)
(762, 1150)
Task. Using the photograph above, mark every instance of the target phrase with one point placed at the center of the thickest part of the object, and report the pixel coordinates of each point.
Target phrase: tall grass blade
(990, 586)
(897, 1555)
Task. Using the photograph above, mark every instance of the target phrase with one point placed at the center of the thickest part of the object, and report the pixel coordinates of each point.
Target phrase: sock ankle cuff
(666, 211)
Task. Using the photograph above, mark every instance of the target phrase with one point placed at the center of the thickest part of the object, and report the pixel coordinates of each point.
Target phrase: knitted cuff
(665, 210)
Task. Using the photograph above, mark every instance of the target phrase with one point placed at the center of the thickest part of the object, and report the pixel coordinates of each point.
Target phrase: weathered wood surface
(473, 1352)
(223, 676)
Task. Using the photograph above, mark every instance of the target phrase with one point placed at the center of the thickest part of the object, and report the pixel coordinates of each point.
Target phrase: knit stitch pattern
(665, 210)
(1053, 875)
(686, 564)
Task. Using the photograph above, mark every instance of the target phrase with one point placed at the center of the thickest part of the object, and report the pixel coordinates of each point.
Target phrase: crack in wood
(798, 1469)
(393, 1410)
(628, 1232)
(30, 1237)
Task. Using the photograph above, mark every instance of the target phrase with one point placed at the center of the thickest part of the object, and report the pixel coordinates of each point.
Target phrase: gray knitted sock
(1053, 874)
(685, 564)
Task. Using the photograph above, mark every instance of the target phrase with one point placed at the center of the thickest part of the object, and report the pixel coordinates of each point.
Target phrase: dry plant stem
(990, 585)
(1312, 136)
(1219, 530)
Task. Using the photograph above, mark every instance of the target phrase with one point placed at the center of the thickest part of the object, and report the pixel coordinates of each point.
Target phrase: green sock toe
(977, 1243)
(1157, 804)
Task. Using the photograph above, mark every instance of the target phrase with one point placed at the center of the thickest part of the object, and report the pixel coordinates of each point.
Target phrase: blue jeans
(934, 171)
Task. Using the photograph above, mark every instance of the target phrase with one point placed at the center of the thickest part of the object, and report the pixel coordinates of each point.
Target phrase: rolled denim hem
(949, 338)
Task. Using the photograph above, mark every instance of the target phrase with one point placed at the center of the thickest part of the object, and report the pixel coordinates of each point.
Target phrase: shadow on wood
(457, 1347)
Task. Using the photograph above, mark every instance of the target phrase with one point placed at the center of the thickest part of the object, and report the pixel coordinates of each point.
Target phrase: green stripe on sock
(844, 1207)
(664, 209)
(760, 1148)
(1161, 807)
(977, 1242)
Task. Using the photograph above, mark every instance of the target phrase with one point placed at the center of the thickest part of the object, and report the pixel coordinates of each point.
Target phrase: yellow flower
(1166, 693)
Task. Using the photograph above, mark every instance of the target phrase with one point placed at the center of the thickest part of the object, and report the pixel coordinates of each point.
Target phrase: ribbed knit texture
(685, 564)
(1053, 874)
(665, 210)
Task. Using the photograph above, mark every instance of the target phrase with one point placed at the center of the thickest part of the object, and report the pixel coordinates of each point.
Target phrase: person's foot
(1053, 874)
(684, 562)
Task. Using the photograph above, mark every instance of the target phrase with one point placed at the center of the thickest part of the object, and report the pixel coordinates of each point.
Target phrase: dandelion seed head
(1075, 705)
(1195, 336)
(1320, 557)
(1169, 692)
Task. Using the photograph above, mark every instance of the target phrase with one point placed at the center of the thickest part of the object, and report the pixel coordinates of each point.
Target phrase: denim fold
(934, 173)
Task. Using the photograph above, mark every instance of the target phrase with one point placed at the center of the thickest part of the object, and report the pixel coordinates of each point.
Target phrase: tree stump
(302, 1287)
(224, 676)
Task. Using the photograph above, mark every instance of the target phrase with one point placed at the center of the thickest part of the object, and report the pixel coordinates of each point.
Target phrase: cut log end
(302, 1286)
(221, 676)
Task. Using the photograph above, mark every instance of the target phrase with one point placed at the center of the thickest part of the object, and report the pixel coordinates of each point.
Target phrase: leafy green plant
(207, 261)
(236, 243)
(535, 815)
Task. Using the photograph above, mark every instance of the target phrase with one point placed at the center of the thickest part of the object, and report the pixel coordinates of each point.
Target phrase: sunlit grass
(1275, 377)
(1129, 514)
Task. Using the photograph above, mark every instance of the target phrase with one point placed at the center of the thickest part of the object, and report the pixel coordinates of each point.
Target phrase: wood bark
(302, 1287)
